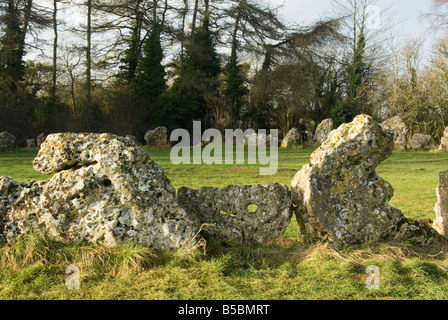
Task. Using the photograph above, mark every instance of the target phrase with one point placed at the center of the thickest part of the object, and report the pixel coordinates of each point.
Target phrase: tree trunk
(88, 53)
(193, 23)
(55, 50)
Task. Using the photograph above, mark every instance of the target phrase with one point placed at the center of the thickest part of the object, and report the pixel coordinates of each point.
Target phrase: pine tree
(11, 51)
(235, 90)
(150, 79)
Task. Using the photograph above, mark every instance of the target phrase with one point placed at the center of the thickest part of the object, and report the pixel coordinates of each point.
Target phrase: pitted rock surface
(251, 214)
(339, 197)
(106, 190)
(400, 130)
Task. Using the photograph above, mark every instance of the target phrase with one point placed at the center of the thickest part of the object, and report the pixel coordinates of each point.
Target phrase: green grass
(34, 268)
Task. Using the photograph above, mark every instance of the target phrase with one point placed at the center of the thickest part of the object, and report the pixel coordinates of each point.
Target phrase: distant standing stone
(40, 139)
(31, 143)
(444, 140)
(7, 141)
(323, 130)
(400, 130)
(156, 137)
(292, 138)
(441, 208)
(420, 141)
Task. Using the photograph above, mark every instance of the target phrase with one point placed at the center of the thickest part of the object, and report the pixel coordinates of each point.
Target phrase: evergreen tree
(11, 51)
(354, 103)
(150, 78)
(235, 90)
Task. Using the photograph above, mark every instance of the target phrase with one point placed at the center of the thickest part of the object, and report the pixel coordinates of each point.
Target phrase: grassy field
(34, 268)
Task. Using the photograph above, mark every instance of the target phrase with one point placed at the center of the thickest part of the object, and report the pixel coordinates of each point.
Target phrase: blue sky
(405, 16)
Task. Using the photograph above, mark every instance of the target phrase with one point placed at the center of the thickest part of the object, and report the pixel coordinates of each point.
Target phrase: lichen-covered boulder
(400, 130)
(292, 138)
(157, 137)
(421, 141)
(323, 130)
(339, 197)
(7, 141)
(444, 140)
(441, 207)
(251, 214)
(105, 190)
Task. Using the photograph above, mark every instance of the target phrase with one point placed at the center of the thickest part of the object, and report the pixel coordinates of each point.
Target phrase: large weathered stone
(444, 140)
(106, 190)
(420, 141)
(7, 141)
(292, 138)
(323, 130)
(441, 207)
(156, 137)
(400, 130)
(251, 214)
(340, 198)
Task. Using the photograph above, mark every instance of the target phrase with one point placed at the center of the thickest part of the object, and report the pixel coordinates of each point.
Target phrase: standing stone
(253, 214)
(106, 190)
(40, 139)
(400, 130)
(340, 198)
(31, 143)
(323, 130)
(444, 140)
(7, 141)
(293, 138)
(255, 139)
(420, 141)
(441, 208)
(156, 137)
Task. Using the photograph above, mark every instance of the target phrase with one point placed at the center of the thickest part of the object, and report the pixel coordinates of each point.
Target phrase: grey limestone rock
(400, 130)
(250, 214)
(339, 197)
(292, 138)
(420, 141)
(441, 207)
(444, 140)
(7, 140)
(105, 190)
(157, 137)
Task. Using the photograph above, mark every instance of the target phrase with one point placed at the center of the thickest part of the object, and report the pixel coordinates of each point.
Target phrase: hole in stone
(106, 183)
(226, 213)
(252, 208)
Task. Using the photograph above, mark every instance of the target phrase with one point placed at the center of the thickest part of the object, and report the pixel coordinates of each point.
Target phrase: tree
(252, 26)
(362, 58)
(11, 49)
(150, 79)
